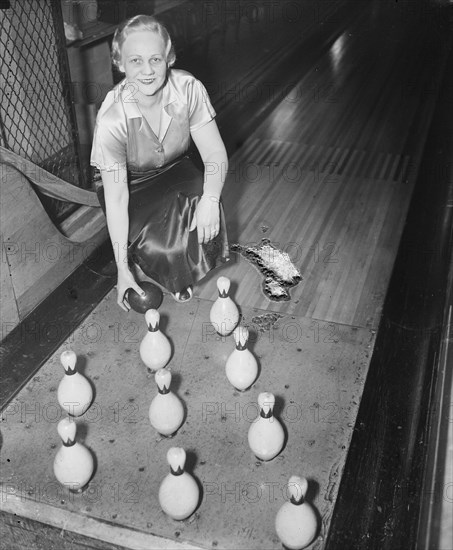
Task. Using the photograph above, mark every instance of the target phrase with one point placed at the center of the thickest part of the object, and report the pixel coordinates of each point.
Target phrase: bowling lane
(315, 373)
(328, 175)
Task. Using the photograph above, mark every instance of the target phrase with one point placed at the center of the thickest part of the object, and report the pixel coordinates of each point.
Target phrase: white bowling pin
(224, 314)
(241, 367)
(73, 465)
(266, 436)
(166, 412)
(155, 349)
(178, 492)
(74, 391)
(296, 523)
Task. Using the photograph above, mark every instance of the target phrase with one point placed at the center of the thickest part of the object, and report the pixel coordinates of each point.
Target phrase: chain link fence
(36, 113)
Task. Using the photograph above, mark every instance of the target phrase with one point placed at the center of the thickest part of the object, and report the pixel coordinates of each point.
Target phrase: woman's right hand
(126, 280)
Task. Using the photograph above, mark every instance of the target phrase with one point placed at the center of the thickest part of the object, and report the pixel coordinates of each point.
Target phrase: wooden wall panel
(37, 256)
(9, 313)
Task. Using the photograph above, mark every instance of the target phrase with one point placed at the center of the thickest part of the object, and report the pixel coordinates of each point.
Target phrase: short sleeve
(201, 110)
(108, 151)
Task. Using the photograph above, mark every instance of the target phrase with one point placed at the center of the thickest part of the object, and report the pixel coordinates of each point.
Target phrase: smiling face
(144, 61)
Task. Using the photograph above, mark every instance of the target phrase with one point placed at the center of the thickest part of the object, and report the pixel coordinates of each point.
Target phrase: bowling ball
(151, 300)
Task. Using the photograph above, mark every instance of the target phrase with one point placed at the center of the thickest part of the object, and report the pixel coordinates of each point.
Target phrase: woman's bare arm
(116, 194)
(213, 153)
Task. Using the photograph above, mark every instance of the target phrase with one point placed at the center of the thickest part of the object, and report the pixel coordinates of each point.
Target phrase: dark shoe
(185, 295)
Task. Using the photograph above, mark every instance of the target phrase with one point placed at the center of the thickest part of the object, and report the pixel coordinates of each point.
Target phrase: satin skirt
(162, 204)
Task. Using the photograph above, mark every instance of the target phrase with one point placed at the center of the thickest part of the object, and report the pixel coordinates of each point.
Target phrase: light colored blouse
(123, 137)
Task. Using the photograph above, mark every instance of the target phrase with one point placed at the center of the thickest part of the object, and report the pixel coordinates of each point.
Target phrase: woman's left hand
(206, 218)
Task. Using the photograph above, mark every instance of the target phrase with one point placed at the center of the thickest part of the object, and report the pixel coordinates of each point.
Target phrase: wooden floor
(328, 177)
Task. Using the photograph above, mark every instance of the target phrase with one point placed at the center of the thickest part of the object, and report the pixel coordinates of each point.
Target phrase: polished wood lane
(328, 176)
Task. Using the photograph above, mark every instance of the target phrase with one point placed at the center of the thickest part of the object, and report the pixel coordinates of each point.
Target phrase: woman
(163, 216)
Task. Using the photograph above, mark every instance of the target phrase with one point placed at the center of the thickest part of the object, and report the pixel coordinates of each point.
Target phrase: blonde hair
(141, 23)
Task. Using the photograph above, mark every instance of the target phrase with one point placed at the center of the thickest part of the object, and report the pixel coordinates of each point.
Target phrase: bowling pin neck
(266, 414)
(152, 319)
(69, 359)
(176, 457)
(163, 380)
(266, 402)
(241, 336)
(297, 489)
(70, 372)
(67, 431)
(223, 286)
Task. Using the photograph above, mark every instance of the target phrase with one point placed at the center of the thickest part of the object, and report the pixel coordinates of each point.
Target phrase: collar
(131, 107)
